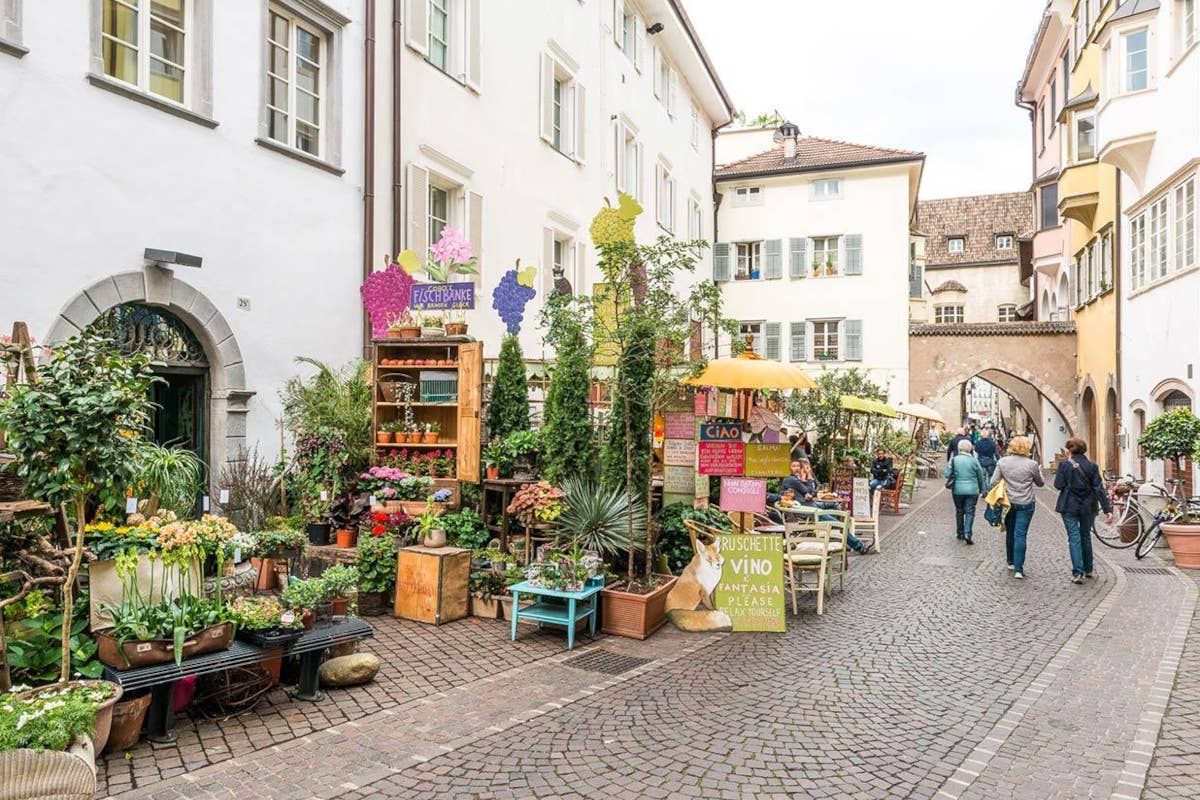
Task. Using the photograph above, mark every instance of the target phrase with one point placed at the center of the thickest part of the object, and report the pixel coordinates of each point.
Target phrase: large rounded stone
(349, 670)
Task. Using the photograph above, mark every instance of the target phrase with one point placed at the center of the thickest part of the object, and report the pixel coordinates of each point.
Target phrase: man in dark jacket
(952, 450)
(987, 452)
(1079, 490)
(882, 476)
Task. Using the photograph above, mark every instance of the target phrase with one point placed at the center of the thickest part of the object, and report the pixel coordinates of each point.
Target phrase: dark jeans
(964, 514)
(1016, 526)
(1079, 541)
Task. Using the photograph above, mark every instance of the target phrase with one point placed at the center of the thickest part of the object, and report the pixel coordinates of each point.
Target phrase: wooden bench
(160, 679)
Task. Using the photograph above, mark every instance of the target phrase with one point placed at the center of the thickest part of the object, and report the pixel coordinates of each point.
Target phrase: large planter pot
(43, 774)
(127, 719)
(266, 579)
(635, 615)
(488, 608)
(104, 712)
(436, 538)
(1184, 541)
(318, 533)
(160, 651)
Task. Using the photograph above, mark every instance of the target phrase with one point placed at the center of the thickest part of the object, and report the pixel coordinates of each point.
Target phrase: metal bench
(160, 679)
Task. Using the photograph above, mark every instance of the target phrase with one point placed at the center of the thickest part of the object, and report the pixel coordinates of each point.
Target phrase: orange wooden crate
(431, 583)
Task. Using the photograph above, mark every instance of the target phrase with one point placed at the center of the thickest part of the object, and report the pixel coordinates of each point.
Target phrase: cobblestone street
(933, 674)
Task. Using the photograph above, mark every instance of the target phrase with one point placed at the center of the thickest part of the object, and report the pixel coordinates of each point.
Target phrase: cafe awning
(865, 405)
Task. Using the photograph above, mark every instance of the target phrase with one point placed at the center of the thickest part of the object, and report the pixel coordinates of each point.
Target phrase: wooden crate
(431, 583)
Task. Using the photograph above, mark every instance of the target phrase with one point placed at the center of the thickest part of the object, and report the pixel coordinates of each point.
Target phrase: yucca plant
(170, 477)
(595, 517)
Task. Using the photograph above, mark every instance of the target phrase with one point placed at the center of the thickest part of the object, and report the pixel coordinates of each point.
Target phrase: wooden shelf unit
(460, 420)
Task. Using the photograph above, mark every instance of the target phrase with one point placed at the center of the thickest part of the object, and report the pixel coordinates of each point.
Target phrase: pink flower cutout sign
(386, 295)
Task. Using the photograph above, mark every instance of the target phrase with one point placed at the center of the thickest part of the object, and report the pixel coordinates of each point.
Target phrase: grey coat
(1020, 475)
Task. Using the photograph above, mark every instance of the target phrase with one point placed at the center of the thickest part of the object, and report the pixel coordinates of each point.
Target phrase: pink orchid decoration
(385, 296)
(452, 247)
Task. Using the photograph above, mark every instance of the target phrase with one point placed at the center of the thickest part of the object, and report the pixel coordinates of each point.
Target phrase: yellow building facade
(1088, 204)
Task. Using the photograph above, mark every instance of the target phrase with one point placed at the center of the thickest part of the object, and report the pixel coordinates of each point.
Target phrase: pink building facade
(1042, 92)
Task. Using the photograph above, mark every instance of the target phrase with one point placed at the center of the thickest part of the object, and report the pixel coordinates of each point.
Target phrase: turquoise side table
(579, 605)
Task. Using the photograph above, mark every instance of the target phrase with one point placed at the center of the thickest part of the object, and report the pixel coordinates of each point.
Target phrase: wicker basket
(389, 386)
(26, 774)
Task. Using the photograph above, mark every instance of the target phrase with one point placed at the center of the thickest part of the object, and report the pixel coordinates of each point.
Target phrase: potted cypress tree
(1175, 435)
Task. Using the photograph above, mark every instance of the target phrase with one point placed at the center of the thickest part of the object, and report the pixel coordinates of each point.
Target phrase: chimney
(788, 134)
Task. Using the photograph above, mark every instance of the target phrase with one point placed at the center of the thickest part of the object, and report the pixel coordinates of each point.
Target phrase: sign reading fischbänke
(442, 296)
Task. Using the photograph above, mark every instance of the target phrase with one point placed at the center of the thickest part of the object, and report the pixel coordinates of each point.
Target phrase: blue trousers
(1016, 527)
(1079, 541)
(964, 514)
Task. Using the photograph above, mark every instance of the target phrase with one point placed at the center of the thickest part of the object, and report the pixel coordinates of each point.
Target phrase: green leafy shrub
(304, 594)
(376, 562)
(508, 406)
(1173, 435)
(673, 539)
(465, 529)
(50, 720)
(339, 580)
(567, 448)
(33, 643)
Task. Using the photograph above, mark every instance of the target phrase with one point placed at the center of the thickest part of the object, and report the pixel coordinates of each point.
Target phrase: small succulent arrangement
(263, 613)
(51, 719)
(562, 570)
(537, 502)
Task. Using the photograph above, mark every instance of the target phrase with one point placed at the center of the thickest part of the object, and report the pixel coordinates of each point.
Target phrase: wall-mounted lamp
(171, 258)
(655, 28)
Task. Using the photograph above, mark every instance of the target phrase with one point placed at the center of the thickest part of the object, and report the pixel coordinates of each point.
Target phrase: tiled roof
(1131, 8)
(950, 286)
(813, 153)
(977, 219)
(989, 328)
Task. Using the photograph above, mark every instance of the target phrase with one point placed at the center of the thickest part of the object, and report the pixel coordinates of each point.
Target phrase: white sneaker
(1076, 579)
(1018, 576)
(1010, 566)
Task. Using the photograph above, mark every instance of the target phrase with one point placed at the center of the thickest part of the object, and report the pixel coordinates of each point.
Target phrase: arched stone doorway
(1139, 427)
(1087, 418)
(1112, 425)
(224, 392)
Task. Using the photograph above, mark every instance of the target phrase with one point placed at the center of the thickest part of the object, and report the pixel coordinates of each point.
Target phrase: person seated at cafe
(802, 483)
(882, 470)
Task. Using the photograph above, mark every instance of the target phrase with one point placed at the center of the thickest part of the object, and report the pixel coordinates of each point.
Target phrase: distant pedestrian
(969, 483)
(1020, 474)
(960, 436)
(882, 471)
(1080, 490)
(986, 452)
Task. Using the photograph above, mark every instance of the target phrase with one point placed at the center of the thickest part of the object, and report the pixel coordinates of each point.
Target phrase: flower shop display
(376, 567)
(537, 504)
(264, 621)
(340, 581)
(421, 463)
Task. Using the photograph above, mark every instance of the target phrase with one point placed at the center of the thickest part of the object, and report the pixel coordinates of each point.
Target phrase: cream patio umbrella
(751, 371)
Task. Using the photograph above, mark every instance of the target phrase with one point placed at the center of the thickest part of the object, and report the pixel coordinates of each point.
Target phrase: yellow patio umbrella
(751, 371)
(918, 411)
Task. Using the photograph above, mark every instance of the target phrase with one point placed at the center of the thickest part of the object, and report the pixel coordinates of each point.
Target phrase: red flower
(379, 530)
(380, 516)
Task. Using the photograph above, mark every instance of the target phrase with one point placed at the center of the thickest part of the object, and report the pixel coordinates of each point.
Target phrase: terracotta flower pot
(635, 615)
(266, 579)
(127, 719)
(429, 438)
(493, 473)
(104, 711)
(1184, 541)
(309, 619)
(456, 329)
(385, 437)
(347, 537)
(340, 606)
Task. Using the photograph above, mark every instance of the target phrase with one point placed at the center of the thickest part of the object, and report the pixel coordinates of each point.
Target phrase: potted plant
(45, 741)
(1175, 435)
(307, 598)
(404, 326)
(496, 457)
(265, 622)
(272, 546)
(376, 566)
(432, 431)
(430, 532)
(523, 447)
(536, 504)
(816, 269)
(456, 323)
(340, 582)
(431, 324)
(316, 514)
(386, 433)
(346, 537)
(486, 586)
(103, 693)
(830, 269)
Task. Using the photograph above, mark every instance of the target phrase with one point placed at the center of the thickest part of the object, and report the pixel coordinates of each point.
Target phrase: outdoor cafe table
(579, 605)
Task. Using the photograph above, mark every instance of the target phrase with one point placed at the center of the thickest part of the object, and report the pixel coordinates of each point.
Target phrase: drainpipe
(368, 164)
(1115, 250)
(397, 104)
(716, 207)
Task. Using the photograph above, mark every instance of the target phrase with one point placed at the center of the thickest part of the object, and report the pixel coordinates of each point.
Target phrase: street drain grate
(606, 662)
(1148, 570)
(950, 561)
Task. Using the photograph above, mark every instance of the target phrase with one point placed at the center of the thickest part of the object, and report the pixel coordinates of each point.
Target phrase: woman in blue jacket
(1080, 490)
(969, 483)
(987, 452)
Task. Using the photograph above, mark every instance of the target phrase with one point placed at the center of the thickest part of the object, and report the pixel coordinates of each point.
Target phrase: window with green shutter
(799, 349)
(852, 335)
(721, 261)
(854, 254)
(771, 350)
(774, 259)
(798, 257)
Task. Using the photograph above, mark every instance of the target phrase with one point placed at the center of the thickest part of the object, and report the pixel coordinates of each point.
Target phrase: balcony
(1126, 126)
(1079, 192)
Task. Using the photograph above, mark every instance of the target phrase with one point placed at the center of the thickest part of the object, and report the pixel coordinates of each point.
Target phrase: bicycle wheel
(1117, 534)
(1148, 539)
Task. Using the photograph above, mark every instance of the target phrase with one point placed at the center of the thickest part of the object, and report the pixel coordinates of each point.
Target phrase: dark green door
(179, 405)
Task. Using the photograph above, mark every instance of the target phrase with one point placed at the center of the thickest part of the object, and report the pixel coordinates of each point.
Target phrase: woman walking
(986, 451)
(969, 483)
(1020, 474)
(1079, 490)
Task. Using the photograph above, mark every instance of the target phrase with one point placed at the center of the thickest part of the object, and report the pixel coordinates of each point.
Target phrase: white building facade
(813, 250)
(231, 132)
(1148, 123)
(519, 118)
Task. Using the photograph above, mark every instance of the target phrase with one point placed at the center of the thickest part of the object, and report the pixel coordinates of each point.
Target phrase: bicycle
(1123, 494)
(1175, 510)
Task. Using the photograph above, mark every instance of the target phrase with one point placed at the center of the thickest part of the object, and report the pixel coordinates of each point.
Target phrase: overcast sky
(936, 76)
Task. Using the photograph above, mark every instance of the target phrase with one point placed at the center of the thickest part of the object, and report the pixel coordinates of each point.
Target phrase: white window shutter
(638, 191)
(618, 21)
(799, 257)
(721, 261)
(658, 87)
(774, 259)
(854, 254)
(546, 89)
(475, 231)
(580, 122)
(852, 333)
(580, 268)
(416, 25)
(547, 261)
(672, 92)
(771, 350)
(639, 42)
(619, 156)
(474, 30)
(418, 210)
(799, 341)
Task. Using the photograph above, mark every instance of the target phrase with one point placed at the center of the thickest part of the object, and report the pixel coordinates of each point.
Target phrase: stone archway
(154, 286)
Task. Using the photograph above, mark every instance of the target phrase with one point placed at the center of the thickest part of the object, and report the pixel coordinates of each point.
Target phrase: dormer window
(956, 244)
(1004, 241)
